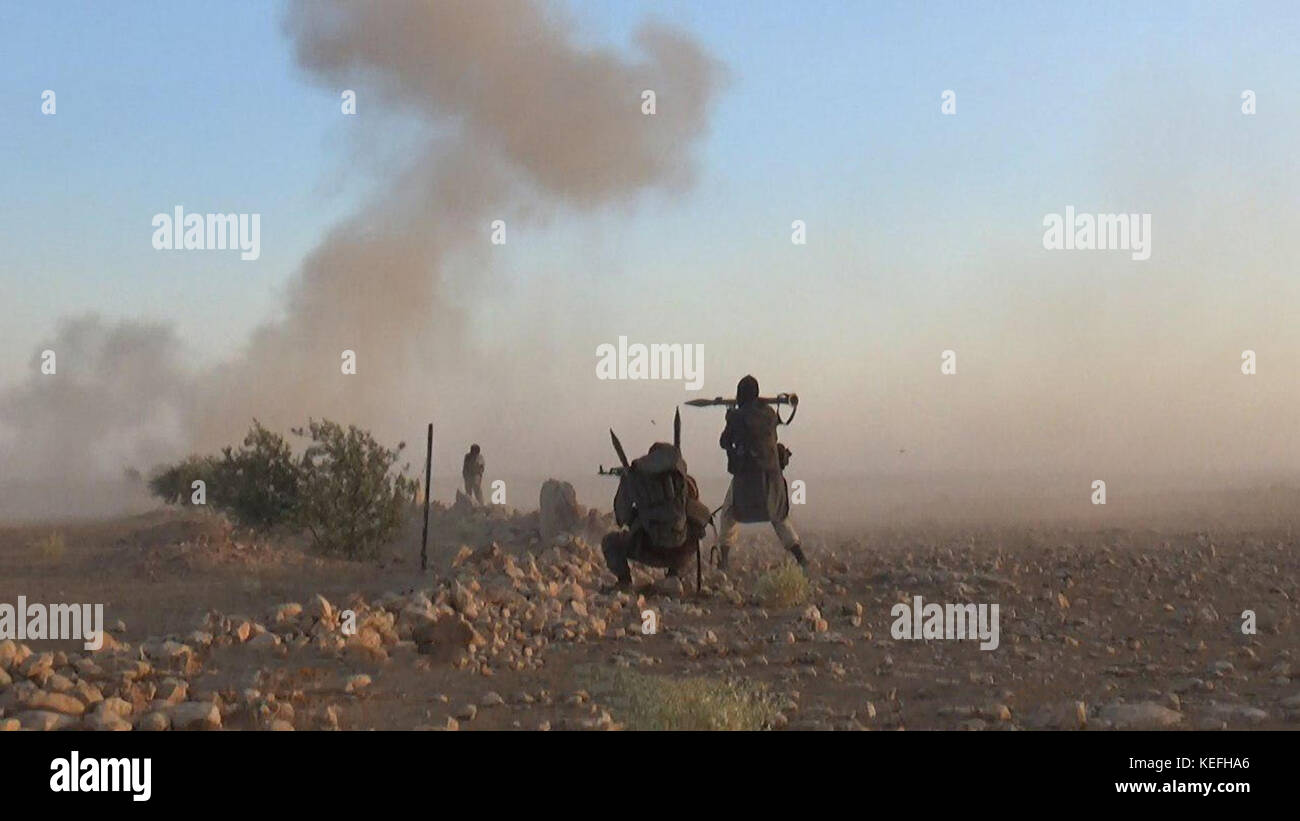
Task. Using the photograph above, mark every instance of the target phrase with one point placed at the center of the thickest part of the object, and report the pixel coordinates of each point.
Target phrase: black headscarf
(746, 390)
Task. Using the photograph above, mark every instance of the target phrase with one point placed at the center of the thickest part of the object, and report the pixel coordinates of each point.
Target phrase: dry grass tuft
(647, 702)
(785, 586)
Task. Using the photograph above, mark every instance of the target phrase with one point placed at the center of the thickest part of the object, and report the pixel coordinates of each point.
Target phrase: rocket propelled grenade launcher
(791, 399)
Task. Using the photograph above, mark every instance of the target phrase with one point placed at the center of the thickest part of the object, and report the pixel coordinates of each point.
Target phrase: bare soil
(1089, 620)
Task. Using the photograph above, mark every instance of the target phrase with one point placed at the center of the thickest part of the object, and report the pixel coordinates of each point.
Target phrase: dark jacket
(758, 489)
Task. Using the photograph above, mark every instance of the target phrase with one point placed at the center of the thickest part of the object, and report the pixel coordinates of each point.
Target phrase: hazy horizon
(924, 234)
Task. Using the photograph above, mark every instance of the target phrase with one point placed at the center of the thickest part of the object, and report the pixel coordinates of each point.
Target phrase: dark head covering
(473, 448)
(746, 390)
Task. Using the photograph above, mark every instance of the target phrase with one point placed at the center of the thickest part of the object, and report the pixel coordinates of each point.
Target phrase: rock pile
(493, 611)
(559, 513)
(118, 688)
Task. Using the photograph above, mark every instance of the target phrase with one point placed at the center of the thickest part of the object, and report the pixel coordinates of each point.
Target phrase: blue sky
(830, 115)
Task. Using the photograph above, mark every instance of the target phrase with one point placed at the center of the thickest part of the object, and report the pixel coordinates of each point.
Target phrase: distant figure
(472, 473)
(755, 460)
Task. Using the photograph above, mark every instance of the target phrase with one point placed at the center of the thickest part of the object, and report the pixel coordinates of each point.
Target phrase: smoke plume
(514, 120)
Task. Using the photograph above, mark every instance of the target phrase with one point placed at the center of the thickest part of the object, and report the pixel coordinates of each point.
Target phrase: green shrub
(784, 586)
(175, 484)
(342, 489)
(258, 484)
(351, 501)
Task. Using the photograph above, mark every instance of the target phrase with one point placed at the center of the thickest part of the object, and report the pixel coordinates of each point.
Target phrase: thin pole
(428, 481)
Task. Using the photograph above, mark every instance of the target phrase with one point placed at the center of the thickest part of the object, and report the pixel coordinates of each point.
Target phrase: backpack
(750, 437)
(657, 495)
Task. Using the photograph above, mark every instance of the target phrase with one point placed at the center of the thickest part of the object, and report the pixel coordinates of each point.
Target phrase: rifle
(791, 399)
(622, 457)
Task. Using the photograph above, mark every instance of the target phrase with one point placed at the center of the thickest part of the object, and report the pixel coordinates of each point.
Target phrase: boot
(620, 586)
(797, 552)
(614, 547)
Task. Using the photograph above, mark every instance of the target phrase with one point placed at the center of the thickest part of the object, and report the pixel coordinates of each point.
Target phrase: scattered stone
(9, 654)
(172, 691)
(264, 641)
(114, 706)
(1068, 715)
(195, 715)
(320, 608)
(285, 613)
(447, 635)
(154, 721)
(1138, 716)
(56, 703)
(1238, 713)
(106, 722)
(44, 720)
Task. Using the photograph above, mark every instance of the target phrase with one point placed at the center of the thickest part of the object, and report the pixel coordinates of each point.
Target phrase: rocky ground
(514, 628)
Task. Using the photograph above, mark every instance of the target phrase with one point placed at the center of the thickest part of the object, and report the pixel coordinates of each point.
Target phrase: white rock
(558, 509)
(195, 715)
(320, 608)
